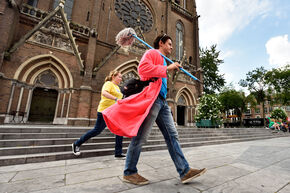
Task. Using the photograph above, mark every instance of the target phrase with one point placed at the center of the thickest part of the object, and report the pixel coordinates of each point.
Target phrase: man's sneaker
(76, 149)
(135, 179)
(121, 156)
(192, 173)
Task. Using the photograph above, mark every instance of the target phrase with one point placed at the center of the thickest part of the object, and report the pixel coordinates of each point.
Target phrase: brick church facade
(55, 55)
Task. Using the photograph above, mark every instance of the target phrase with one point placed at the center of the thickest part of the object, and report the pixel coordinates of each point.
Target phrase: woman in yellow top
(109, 96)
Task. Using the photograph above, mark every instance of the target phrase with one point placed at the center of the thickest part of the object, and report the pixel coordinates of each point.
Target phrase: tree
(279, 79)
(209, 62)
(256, 84)
(232, 100)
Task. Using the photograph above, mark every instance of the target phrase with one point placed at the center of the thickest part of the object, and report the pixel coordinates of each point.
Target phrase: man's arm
(151, 65)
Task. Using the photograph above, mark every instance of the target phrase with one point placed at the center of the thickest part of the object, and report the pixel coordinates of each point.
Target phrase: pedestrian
(110, 95)
(150, 106)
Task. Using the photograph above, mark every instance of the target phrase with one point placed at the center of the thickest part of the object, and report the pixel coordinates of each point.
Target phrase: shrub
(279, 114)
(209, 107)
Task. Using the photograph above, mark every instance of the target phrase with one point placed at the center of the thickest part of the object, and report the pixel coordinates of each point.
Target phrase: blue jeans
(99, 127)
(161, 113)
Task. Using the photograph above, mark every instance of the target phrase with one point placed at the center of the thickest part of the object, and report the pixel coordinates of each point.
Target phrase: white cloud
(278, 49)
(221, 18)
(226, 54)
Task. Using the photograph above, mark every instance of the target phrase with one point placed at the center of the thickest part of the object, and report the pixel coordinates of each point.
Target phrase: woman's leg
(99, 127)
(118, 145)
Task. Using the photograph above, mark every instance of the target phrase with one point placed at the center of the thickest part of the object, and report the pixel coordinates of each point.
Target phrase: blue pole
(182, 69)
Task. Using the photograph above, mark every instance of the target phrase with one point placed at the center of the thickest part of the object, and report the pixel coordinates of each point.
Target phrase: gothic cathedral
(55, 55)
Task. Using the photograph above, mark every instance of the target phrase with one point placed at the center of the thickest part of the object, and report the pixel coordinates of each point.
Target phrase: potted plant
(208, 111)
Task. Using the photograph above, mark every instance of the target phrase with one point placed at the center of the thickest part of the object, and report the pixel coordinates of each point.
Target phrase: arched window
(179, 41)
(181, 100)
(68, 6)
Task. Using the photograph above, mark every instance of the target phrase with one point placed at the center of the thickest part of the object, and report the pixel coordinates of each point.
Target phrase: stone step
(73, 133)
(43, 157)
(70, 129)
(7, 136)
(18, 150)
(38, 143)
(59, 141)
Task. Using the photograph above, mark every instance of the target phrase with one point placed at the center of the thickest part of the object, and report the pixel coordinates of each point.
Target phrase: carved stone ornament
(53, 35)
(134, 13)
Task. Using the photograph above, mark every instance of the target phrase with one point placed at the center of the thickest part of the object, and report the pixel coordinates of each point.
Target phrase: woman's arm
(108, 95)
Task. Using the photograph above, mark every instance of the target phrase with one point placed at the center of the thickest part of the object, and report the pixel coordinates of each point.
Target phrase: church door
(43, 105)
(180, 115)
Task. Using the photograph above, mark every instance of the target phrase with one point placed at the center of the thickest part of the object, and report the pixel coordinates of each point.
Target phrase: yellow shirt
(114, 90)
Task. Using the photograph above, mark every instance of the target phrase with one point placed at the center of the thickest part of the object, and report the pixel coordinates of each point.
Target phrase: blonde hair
(111, 75)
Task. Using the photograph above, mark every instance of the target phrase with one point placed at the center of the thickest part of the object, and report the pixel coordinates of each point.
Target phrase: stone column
(7, 117)
(68, 105)
(19, 101)
(62, 107)
(186, 116)
(56, 108)
(28, 104)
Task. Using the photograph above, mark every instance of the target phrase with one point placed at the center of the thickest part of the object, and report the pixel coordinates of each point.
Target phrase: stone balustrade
(40, 14)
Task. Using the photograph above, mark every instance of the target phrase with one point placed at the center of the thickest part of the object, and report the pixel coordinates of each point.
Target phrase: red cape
(126, 116)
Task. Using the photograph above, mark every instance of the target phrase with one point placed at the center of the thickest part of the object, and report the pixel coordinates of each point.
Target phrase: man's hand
(174, 66)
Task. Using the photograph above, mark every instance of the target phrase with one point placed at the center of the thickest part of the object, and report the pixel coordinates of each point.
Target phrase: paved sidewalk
(246, 167)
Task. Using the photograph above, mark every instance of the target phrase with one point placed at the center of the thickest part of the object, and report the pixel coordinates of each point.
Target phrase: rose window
(134, 13)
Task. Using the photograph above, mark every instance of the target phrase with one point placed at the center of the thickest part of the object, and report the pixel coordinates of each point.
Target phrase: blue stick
(182, 69)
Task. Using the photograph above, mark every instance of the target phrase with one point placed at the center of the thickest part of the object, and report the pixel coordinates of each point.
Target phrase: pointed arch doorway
(44, 98)
(185, 103)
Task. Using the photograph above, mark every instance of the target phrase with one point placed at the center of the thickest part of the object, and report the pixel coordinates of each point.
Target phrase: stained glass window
(134, 13)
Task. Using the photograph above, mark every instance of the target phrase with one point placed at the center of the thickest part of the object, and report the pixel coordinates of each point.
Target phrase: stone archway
(128, 70)
(42, 79)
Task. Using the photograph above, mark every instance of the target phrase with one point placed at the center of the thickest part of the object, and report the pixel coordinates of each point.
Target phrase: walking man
(153, 97)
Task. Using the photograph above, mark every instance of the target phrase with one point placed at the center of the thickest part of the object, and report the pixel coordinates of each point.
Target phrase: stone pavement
(245, 167)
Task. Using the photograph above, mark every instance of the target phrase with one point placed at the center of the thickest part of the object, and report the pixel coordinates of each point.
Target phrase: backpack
(134, 86)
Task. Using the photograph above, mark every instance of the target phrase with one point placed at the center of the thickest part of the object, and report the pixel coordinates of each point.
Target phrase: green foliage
(209, 107)
(257, 85)
(279, 114)
(209, 62)
(255, 80)
(232, 99)
(250, 99)
(279, 79)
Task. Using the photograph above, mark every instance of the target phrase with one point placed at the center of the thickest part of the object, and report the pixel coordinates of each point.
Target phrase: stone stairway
(21, 144)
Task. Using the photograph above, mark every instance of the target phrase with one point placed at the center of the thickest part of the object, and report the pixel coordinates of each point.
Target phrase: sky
(248, 33)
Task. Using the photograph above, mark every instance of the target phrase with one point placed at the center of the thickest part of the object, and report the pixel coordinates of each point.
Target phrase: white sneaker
(76, 150)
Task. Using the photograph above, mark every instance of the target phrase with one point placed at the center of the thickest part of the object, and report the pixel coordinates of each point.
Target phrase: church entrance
(180, 115)
(43, 105)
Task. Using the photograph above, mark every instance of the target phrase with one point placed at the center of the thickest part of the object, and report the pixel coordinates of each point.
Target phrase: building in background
(55, 54)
